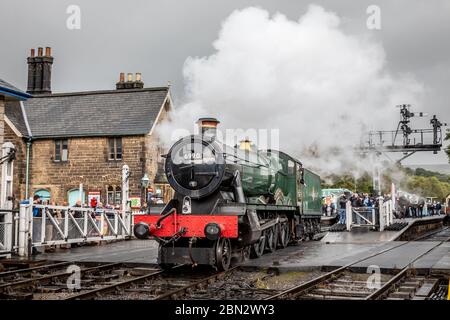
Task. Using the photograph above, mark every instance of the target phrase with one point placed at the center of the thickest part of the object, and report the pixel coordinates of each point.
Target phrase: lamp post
(144, 183)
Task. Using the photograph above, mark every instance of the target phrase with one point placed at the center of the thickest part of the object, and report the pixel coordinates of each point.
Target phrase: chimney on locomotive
(208, 127)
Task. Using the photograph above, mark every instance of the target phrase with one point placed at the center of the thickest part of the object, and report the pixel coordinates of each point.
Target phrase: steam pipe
(158, 223)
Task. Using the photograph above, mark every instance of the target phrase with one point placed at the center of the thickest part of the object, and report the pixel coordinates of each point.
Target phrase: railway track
(342, 283)
(119, 281)
(161, 284)
(53, 284)
(11, 275)
(233, 284)
(14, 275)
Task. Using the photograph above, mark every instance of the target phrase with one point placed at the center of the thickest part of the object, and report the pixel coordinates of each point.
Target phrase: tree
(428, 187)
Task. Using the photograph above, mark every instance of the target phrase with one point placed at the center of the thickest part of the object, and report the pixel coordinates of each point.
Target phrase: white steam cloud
(320, 87)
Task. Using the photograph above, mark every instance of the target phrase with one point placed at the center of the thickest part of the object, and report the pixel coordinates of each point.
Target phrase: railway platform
(130, 251)
(416, 226)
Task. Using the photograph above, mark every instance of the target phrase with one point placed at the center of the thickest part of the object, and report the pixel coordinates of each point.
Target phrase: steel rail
(47, 278)
(41, 267)
(112, 287)
(169, 295)
(402, 274)
(298, 290)
(173, 295)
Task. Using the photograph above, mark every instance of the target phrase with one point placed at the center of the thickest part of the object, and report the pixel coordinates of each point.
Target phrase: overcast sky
(156, 37)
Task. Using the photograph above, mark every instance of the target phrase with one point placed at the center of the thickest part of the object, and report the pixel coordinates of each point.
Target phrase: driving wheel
(223, 254)
(258, 247)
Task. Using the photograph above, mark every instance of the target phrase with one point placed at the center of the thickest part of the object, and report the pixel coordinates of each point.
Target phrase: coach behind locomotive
(230, 201)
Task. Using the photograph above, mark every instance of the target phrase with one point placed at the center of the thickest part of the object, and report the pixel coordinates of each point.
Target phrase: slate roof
(10, 90)
(7, 85)
(93, 113)
(14, 113)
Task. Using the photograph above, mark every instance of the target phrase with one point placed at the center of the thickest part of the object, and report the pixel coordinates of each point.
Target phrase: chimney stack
(121, 83)
(138, 84)
(40, 71)
(131, 83)
(208, 127)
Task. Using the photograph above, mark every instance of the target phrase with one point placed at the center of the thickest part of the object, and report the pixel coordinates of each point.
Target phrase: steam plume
(318, 85)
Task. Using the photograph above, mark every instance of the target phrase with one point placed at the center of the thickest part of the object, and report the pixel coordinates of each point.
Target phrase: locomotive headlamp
(212, 231)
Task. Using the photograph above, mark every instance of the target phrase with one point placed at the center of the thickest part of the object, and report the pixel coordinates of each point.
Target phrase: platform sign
(135, 202)
(93, 194)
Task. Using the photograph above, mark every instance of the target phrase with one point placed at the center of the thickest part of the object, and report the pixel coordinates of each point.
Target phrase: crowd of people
(357, 200)
(417, 208)
(404, 208)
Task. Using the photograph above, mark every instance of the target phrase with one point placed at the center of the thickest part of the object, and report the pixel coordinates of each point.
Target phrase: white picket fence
(6, 233)
(58, 225)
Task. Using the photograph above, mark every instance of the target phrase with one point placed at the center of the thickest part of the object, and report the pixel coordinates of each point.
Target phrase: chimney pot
(138, 84)
(48, 51)
(40, 52)
(122, 77)
(32, 52)
(208, 127)
(138, 76)
(130, 77)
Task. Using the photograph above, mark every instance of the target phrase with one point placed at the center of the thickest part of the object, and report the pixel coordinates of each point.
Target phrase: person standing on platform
(430, 209)
(342, 207)
(420, 207)
(37, 212)
(438, 208)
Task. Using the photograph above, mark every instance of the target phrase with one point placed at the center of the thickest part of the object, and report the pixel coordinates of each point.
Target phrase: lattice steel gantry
(411, 141)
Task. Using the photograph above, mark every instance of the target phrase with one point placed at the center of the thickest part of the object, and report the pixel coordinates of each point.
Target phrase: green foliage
(422, 182)
(362, 184)
(344, 181)
(428, 187)
(426, 173)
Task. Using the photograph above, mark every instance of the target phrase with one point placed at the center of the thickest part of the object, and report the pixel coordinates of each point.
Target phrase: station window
(61, 150)
(114, 195)
(115, 148)
(118, 199)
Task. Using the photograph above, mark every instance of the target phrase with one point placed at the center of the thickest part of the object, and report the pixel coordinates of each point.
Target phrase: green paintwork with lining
(312, 192)
(278, 174)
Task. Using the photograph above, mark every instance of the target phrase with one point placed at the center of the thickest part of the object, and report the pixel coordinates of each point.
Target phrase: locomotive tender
(230, 202)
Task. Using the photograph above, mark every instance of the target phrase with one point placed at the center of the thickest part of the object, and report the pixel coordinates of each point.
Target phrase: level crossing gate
(46, 225)
(372, 217)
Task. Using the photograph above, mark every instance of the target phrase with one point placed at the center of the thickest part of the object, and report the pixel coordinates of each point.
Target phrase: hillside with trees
(419, 181)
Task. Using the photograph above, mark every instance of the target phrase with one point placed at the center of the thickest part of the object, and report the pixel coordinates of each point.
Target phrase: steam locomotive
(230, 202)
